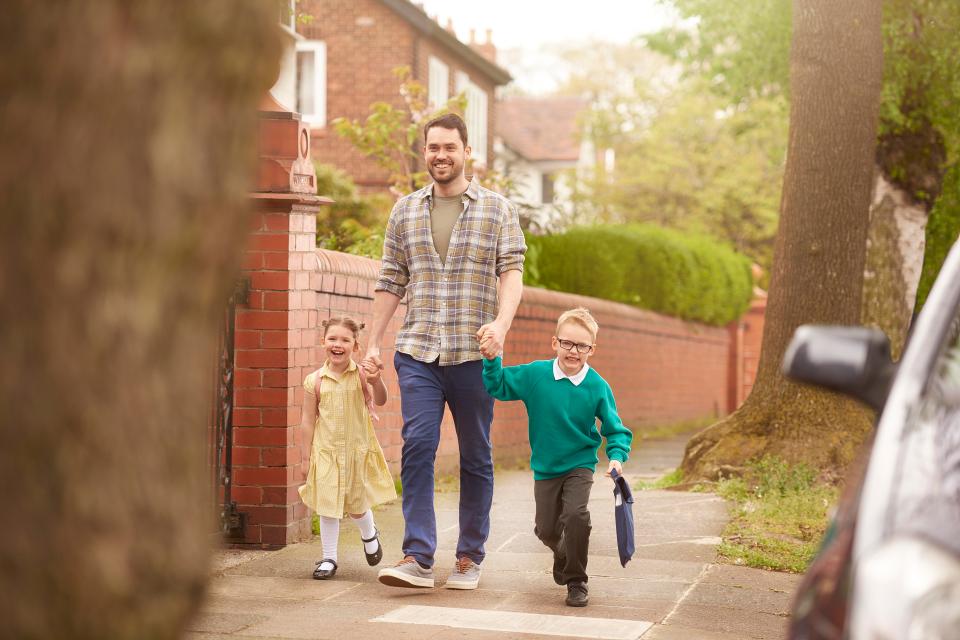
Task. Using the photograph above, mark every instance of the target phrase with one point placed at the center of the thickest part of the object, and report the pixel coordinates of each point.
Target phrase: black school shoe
(577, 594)
(325, 574)
(373, 559)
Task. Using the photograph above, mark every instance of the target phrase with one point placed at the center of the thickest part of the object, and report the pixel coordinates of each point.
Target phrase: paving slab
(672, 589)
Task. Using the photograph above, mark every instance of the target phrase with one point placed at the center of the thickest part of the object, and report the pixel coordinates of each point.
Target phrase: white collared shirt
(576, 378)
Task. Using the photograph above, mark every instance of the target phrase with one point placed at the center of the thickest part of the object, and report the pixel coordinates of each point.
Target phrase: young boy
(564, 399)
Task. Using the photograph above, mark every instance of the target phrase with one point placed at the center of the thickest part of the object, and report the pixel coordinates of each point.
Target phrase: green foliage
(779, 518)
(315, 524)
(687, 276)
(670, 479)
(706, 168)
(354, 223)
(741, 48)
(921, 77)
(943, 227)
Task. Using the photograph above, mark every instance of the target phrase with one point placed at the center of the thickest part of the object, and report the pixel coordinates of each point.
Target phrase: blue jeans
(424, 388)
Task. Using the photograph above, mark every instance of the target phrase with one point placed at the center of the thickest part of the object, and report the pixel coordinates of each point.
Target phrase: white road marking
(516, 622)
(693, 585)
(509, 540)
(340, 593)
(708, 540)
(450, 528)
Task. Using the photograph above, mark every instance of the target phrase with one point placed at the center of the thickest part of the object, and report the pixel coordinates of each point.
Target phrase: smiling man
(449, 247)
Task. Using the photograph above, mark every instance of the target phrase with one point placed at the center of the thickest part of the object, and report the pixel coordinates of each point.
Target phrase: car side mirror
(854, 361)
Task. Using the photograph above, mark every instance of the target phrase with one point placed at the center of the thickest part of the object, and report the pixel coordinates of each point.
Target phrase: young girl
(347, 472)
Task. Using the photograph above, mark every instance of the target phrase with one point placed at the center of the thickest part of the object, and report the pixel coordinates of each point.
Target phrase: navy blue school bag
(623, 512)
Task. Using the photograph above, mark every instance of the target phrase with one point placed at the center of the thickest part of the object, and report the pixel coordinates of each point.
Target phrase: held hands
(371, 364)
(491, 337)
(371, 369)
(614, 464)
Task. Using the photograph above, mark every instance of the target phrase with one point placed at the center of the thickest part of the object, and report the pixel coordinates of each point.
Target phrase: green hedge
(686, 276)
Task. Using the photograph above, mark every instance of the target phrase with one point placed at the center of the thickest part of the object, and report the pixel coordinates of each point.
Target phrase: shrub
(662, 270)
(354, 223)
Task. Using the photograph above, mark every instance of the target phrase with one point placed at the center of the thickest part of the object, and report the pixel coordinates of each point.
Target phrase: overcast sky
(530, 26)
(528, 23)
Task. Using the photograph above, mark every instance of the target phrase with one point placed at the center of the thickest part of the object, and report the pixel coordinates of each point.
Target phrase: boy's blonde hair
(581, 317)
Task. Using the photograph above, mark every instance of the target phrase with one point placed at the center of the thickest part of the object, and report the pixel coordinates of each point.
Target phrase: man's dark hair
(447, 121)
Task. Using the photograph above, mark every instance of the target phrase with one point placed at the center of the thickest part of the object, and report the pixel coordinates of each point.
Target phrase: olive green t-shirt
(443, 217)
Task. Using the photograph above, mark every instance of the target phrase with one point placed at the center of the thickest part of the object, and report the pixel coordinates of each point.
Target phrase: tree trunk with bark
(836, 67)
(126, 151)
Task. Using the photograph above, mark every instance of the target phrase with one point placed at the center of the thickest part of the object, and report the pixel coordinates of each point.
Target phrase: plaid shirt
(448, 302)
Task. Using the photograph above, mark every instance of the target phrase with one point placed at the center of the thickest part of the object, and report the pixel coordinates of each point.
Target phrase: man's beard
(452, 176)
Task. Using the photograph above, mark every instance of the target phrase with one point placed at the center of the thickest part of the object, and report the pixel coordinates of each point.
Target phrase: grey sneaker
(465, 575)
(406, 573)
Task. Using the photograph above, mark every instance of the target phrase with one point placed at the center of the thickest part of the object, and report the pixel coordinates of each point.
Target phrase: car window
(927, 477)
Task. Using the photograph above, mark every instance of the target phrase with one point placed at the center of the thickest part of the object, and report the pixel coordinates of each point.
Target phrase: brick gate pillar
(275, 334)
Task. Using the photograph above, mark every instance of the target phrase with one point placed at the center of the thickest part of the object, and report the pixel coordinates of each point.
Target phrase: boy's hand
(491, 337)
(614, 464)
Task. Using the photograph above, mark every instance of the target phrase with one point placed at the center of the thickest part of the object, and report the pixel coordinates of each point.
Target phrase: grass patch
(779, 517)
(670, 479)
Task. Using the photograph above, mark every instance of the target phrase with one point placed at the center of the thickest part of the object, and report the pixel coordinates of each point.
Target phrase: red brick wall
(365, 42)
(752, 323)
(275, 348)
(661, 369)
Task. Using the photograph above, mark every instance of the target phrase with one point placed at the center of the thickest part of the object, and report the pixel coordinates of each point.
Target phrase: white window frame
(288, 15)
(476, 116)
(318, 117)
(438, 84)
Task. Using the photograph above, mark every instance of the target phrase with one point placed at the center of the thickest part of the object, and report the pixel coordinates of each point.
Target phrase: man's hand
(370, 370)
(614, 464)
(491, 337)
(372, 359)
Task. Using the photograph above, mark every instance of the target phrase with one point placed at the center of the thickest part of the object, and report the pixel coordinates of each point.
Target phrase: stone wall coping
(295, 198)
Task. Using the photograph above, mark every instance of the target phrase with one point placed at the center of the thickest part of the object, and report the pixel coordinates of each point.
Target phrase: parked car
(889, 567)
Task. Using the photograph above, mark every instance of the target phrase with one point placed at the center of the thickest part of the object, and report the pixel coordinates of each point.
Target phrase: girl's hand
(370, 370)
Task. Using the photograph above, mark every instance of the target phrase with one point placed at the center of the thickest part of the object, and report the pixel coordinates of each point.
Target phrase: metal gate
(230, 521)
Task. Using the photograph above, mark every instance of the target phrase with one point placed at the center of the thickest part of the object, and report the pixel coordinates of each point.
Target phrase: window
(287, 10)
(312, 81)
(438, 87)
(546, 188)
(475, 117)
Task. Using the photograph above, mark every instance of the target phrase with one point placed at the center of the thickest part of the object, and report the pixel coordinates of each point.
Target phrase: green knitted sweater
(562, 417)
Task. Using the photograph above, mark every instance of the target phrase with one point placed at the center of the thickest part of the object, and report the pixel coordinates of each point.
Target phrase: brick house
(341, 60)
(540, 146)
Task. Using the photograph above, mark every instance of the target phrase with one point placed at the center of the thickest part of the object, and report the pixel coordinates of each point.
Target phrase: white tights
(330, 535)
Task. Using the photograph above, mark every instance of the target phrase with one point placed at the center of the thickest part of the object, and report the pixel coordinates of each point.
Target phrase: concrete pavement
(671, 590)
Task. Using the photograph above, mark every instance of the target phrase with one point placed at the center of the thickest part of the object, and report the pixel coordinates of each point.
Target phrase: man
(449, 247)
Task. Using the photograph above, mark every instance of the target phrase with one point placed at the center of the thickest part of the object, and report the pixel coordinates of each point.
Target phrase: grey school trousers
(562, 511)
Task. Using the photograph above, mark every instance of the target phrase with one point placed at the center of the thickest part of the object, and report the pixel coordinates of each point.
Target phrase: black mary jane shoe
(373, 559)
(324, 574)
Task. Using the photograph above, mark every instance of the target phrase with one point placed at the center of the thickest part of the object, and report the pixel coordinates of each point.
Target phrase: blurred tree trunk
(126, 150)
(836, 63)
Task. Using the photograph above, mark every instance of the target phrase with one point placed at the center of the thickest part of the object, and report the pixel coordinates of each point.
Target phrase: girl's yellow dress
(348, 473)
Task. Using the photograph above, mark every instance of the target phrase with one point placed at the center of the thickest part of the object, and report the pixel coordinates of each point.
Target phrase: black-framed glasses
(568, 345)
